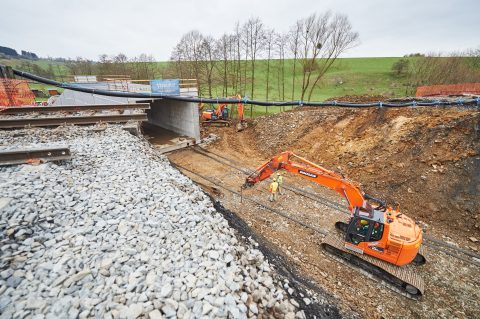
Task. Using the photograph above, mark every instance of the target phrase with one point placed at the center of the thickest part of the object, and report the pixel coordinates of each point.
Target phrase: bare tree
(256, 41)
(437, 69)
(281, 43)
(238, 57)
(340, 38)
(120, 64)
(84, 66)
(223, 47)
(188, 55)
(246, 35)
(293, 37)
(269, 37)
(323, 39)
(208, 55)
(231, 61)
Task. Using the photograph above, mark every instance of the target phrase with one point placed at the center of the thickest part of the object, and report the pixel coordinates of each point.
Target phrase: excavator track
(217, 123)
(399, 279)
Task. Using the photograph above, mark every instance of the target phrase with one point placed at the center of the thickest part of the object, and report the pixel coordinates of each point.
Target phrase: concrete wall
(179, 117)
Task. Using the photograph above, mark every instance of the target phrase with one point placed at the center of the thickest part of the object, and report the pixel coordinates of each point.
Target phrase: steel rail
(81, 120)
(428, 240)
(24, 156)
(72, 108)
(319, 231)
(248, 171)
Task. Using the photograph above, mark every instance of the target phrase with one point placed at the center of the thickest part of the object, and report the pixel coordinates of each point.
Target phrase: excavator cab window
(362, 229)
(358, 230)
(377, 231)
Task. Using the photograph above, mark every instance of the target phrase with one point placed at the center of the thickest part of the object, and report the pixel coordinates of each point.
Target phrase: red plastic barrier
(449, 89)
(15, 93)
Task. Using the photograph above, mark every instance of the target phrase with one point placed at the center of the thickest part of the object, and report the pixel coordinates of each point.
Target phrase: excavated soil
(359, 98)
(424, 159)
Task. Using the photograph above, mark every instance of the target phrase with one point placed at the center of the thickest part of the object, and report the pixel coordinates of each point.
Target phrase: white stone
(166, 291)
(4, 201)
(122, 228)
(150, 278)
(155, 314)
(121, 225)
(134, 311)
(78, 276)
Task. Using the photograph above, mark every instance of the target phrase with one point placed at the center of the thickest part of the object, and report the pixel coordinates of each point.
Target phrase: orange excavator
(221, 115)
(376, 237)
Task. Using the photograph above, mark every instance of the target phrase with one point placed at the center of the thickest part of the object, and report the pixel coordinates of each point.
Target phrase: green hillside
(347, 76)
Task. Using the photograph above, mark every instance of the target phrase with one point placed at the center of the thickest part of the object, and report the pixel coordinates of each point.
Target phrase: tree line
(230, 61)
(430, 69)
(7, 52)
(142, 67)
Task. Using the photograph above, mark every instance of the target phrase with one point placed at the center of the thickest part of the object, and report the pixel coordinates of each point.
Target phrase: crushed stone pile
(117, 232)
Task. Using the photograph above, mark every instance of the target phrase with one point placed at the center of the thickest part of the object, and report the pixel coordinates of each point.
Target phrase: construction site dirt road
(425, 159)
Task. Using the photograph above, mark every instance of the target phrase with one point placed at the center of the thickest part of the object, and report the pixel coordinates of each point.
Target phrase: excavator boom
(311, 171)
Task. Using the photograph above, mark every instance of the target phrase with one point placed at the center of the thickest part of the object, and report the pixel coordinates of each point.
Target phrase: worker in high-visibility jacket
(280, 183)
(273, 190)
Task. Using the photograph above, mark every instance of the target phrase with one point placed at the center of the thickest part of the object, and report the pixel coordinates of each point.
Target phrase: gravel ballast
(117, 232)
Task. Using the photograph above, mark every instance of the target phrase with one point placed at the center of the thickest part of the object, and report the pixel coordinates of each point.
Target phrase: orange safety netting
(15, 93)
(449, 89)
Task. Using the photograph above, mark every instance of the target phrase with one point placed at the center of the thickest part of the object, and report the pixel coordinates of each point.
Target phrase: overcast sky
(88, 28)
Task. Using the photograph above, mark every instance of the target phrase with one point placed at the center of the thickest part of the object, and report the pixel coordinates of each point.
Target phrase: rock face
(117, 232)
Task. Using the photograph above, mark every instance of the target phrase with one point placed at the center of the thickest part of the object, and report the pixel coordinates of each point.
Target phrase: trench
(299, 283)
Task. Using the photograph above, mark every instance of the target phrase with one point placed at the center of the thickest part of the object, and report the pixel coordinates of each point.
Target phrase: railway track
(79, 120)
(72, 108)
(430, 241)
(8, 122)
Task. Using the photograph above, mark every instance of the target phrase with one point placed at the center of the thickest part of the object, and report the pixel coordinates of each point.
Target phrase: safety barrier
(448, 89)
(15, 93)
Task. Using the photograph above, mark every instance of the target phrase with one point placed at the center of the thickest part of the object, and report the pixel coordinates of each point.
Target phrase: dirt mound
(360, 98)
(426, 159)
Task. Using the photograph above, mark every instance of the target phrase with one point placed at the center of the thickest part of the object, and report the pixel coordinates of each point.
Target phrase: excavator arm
(219, 110)
(311, 171)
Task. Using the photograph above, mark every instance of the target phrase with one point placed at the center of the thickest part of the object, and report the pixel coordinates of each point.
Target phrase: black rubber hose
(223, 100)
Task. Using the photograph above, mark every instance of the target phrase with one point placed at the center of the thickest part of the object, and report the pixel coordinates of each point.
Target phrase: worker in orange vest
(273, 190)
(280, 183)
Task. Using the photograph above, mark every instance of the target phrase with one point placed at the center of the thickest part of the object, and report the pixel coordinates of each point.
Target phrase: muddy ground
(424, 159)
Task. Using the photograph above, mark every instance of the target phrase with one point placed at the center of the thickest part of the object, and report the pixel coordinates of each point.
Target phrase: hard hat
(278, 174)
(364, 222)
(274, 179)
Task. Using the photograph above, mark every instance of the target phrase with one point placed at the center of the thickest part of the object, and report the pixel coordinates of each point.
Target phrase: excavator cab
(221, 113)
(362, 229)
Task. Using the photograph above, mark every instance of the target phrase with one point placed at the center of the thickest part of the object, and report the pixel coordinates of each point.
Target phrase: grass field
(347, 76)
